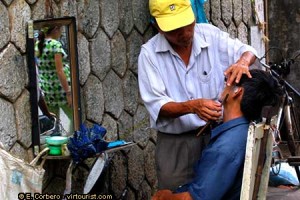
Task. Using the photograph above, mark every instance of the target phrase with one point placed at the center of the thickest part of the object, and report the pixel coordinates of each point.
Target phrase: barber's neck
(184, 53)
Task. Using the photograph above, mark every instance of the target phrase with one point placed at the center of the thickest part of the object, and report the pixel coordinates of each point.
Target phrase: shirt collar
(228, 125)
(163, 45)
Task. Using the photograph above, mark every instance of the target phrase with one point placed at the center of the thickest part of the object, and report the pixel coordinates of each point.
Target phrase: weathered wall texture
(110, 34)
(284, 31)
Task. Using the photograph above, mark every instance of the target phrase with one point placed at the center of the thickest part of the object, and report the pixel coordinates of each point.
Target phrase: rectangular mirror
(54, 80)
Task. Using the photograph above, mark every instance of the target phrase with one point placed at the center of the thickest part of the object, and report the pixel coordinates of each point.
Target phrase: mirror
(53, 78)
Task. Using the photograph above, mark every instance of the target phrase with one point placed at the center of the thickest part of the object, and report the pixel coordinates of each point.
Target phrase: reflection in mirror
(53, 51)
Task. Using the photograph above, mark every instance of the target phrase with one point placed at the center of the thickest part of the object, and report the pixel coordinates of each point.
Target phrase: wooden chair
(257, 161)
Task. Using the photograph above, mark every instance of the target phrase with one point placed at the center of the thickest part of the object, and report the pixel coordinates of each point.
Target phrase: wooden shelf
(60, 157)
(111, 150)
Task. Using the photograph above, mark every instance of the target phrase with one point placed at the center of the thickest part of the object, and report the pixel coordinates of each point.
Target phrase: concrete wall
(110, 34)
(284, 31)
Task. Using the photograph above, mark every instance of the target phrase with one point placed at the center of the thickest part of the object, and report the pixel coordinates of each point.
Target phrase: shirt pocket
(211, 84)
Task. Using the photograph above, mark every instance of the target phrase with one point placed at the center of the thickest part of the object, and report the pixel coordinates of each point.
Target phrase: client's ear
(237, 90)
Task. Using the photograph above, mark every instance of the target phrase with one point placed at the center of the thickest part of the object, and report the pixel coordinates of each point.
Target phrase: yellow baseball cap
(171, 14)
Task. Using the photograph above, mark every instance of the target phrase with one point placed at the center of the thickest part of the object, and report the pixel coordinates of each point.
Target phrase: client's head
(250, 95)
(259, 91)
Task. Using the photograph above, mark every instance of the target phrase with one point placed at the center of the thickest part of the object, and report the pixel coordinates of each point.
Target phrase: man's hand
(168, 195)
(236, 70)
(206, 109)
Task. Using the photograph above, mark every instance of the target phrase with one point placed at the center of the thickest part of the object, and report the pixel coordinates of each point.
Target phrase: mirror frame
(70, 23)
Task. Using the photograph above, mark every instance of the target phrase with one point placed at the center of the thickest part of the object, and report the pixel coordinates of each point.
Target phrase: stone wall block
(8, 130)
(109, 16)
(17, 150)
(221, 25)
(30, 1)
(145, 191)
(23, 119)
(12, 73)
(19, 13)
(226, 8)
(39, 10)
(130, 89)
(134, 43)
(150, 169)
(232, 30)
(4, 26)
(83, 58)
(93, 99)
(68, 8)
(246, 11)
(149, 33)
(215, 11)
(100, 51)
(113, 94)
(141, 126)
(237, 11)
(130, 194)
(118, 171)
(125, 126)
(243, 33)
(7, 2)
(153, 135)
(207, 9)
(118, 54)
(141, 15)
(136, 171)
(88, 16)
(111, 127)
(126, 16)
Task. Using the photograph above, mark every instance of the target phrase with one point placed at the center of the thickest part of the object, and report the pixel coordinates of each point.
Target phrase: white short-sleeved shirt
(163, 76)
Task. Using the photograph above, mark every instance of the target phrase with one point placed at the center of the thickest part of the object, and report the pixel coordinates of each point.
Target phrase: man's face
(181, 37)
(228, 90)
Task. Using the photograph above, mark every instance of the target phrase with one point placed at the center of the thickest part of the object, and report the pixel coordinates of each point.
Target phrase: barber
(181, 74)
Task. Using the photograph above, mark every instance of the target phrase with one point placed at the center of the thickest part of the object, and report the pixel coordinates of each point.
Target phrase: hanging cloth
(198, 9)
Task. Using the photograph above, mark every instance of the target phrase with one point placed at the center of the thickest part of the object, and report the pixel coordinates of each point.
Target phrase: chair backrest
(257, 162)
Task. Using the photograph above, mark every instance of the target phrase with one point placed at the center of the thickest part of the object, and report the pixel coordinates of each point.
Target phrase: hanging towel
(198, 9)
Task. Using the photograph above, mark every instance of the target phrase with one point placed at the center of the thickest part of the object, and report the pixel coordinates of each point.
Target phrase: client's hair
(259, 91)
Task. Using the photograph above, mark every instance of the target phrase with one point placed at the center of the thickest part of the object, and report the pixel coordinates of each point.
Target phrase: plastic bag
(18, 176)
(286, 176)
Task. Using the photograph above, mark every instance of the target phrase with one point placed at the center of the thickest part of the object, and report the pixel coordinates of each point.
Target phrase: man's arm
(206, 109)
(235, 71)
(44, 108)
